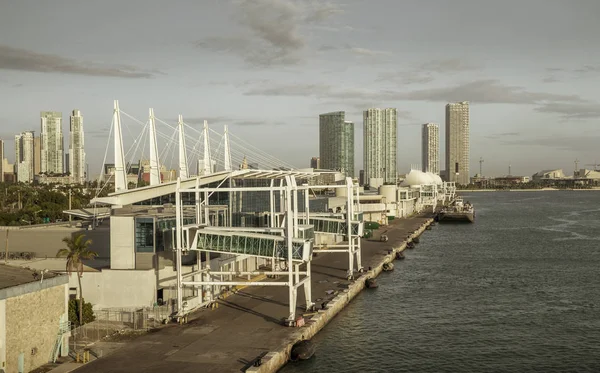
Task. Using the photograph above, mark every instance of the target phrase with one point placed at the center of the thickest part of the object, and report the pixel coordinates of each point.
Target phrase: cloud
(571, 111)
(550, 79)
(367, 52)
(374, 55)
(587, 69)
(449, 65)
(424, 73)
(582, 72)
(23, 60)
(479, 91)
(221, 120)
(496, 136)
(210, 120)
(275, 30)
(489, 91)
(405, 77)
(558, 142)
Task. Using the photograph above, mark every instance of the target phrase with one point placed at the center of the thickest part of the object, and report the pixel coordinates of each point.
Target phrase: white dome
(435, 179)
(416, 178)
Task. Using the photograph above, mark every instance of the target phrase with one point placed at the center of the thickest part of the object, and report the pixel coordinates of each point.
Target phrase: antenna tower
(481, 166)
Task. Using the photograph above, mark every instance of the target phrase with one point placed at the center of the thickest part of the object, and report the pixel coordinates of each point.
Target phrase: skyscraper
(76, 148)
(315, 162)
(430, 148)
(24, 156)
(37, 156)
(336, 142)
(380, 144)
(457, 142)
(51, 139)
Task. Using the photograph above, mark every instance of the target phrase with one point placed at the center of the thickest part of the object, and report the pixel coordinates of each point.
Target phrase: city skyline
(531, 100)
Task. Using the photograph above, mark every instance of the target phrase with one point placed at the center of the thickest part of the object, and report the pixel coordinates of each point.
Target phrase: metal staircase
(63, 328)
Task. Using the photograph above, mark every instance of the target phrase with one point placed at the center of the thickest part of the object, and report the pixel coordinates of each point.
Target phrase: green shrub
(88, 313)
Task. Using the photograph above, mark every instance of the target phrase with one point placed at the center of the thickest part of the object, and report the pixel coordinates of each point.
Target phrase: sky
(268, 68)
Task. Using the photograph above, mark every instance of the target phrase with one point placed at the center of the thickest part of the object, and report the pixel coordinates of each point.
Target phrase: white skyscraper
(430, 148)
(24, 156)
(76, 148)
(51, 139)
(457, 142)
(380, 144)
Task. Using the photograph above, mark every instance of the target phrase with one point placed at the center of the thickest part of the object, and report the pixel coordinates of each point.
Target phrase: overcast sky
(268, 68)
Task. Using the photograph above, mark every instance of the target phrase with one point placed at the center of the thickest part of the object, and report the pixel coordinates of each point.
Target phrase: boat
(457, 211)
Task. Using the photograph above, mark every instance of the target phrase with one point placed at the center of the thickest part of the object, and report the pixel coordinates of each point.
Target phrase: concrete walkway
(246, 325)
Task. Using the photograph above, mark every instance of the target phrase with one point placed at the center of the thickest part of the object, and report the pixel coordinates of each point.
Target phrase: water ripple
(518, 291)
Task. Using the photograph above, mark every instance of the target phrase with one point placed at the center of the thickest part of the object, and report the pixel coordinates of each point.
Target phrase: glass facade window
(144, 235)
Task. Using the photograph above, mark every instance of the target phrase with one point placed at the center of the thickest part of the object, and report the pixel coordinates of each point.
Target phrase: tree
(76, 251)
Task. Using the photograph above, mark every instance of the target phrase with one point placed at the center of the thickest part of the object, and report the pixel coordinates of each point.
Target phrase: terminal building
(182, 244)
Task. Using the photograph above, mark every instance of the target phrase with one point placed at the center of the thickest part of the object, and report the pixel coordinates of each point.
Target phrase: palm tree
(76, 251)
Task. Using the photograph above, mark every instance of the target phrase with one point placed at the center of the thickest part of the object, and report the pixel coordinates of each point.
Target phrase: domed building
(416, 178)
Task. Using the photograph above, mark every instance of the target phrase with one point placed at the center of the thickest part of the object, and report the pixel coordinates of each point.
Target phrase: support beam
(178, 233)
(235, 283)
(207, 159)
(120, 171)
(154, 161)
(183, 163)
(226, 150)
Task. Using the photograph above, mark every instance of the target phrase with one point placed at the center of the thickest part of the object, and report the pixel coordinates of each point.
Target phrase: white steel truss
(288, 243)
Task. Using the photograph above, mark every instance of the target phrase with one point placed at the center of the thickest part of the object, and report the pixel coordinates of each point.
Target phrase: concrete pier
(247, 325)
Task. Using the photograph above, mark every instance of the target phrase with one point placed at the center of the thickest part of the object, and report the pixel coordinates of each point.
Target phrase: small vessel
(457, 211)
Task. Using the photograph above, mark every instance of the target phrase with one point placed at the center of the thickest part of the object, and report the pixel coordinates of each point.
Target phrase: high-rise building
(52, 144)
(37, 156)
(380, 144)
(457, 142)
(315, 162)
(76, 148)
(1, 160)
(24, 156)
(430, 148)
(336, 142)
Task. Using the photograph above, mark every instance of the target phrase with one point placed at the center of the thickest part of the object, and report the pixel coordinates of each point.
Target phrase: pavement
(245, 326)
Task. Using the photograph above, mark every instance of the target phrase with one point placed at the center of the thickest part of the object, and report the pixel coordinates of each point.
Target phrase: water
(518, 291)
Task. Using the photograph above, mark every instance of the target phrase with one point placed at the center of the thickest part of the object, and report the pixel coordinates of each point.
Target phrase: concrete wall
(31, 325)
(122, 242)
(45, 242)
(118, 288)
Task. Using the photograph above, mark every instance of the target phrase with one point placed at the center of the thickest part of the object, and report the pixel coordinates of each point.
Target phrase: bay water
(517, 291)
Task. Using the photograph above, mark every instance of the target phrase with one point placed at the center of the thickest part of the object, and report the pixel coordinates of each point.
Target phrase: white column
(289, 234)
(272, 204)
(349, 213)
(154, 162)
(178, 230)
(207, 159)
(227, 150)
(120, 171)
(183, 164)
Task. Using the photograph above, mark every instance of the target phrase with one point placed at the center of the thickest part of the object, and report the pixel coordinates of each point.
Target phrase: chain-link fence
(110, 323)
